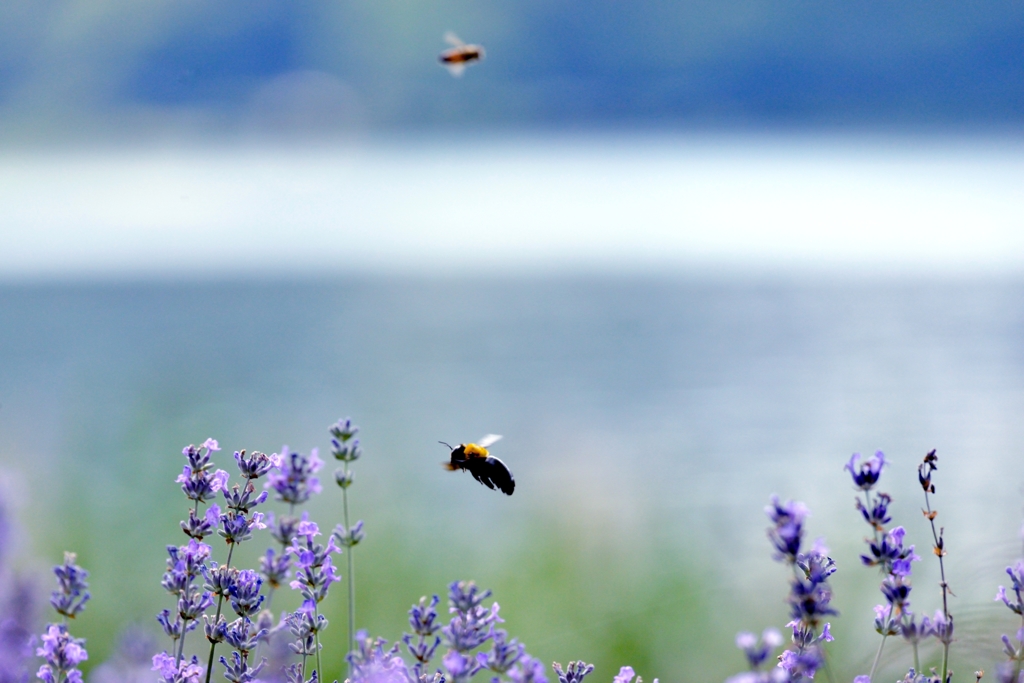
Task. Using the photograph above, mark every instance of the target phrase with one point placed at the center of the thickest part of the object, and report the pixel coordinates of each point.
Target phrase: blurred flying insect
(485, 468)
(459, 55)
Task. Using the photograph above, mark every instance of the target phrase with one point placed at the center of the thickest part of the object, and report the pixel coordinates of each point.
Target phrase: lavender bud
(171, 628)
(184, 671)
(865, 475)
(275, 569)
(199, 527)
(238, 670)
(240, 499)
(423, 616)
(294, 483)
(244, 593)
(257, 464)
(503, 654)
(528, 670)
(344, 479)
(283, 530)
(575, 672)
(215, 628)
(787, 535)
(463, 596)
(351, 537)
(343, 429)
(242, 635)
(346, 451)
(72, 589)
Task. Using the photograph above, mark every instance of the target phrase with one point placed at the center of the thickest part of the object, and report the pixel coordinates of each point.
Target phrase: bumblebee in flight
(485, 468)
(459, 55)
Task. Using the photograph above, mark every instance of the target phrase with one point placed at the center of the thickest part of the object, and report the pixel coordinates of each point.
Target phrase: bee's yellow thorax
(474, 451)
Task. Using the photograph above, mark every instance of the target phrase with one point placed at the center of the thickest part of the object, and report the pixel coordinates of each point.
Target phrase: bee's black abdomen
(500, 476)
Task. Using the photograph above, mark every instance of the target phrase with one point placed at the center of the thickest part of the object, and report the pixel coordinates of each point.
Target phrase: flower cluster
(886, 551)
(63, 652)
(293, 481)
(72, 589)
(197, 583)
(1010, 670)
(809, 596)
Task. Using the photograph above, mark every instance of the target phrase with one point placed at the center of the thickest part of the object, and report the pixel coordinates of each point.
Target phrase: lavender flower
(1010, 672)
(371, 663)
(423, 620)
(304, 624)
(236, 527)
(504, 653)
(459, 666)
(238, 669)
(865, 474)
(275, 568)
(528, 670)
(574, 673)
(196, 481)
(200, 527)
(800, 664)
(294, 483)
(243, 635)
(283, 530)
(244, 593)
(314, 571)
(787, 534)
(757, 650)
(473, 624)
(257, 464)
(1016, 574)
(63, 654)
(887, 552)
(345, 447)
(809, 594)
(16, 639)
(347, 538)
(72, 590)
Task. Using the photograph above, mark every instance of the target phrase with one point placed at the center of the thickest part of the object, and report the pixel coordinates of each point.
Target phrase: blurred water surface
(647, 420)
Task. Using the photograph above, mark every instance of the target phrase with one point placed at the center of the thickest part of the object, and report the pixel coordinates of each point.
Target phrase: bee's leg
(482, 478)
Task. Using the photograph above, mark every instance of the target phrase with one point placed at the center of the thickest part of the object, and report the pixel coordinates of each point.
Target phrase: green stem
(216, 619)
(351, 578)
(316, 637)
(917, 661)
(878, 656)
(828, 667)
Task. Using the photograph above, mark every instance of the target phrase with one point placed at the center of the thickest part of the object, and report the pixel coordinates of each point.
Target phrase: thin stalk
(184, 630)
(878, 656)
(220, 603)
(917, 661)
(828, 667)
(316, 637)
(351, 579)
(940, 550)
(181, 644)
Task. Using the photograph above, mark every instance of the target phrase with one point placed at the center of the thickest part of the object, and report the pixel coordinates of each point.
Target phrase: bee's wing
(455, 69)
(453, 39)
(500, 475)
(486, 441)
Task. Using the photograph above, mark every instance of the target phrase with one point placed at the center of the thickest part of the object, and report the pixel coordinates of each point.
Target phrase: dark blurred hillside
(78, 67)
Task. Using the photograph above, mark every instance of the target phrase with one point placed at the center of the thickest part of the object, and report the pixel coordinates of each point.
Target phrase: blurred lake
(647, 421)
